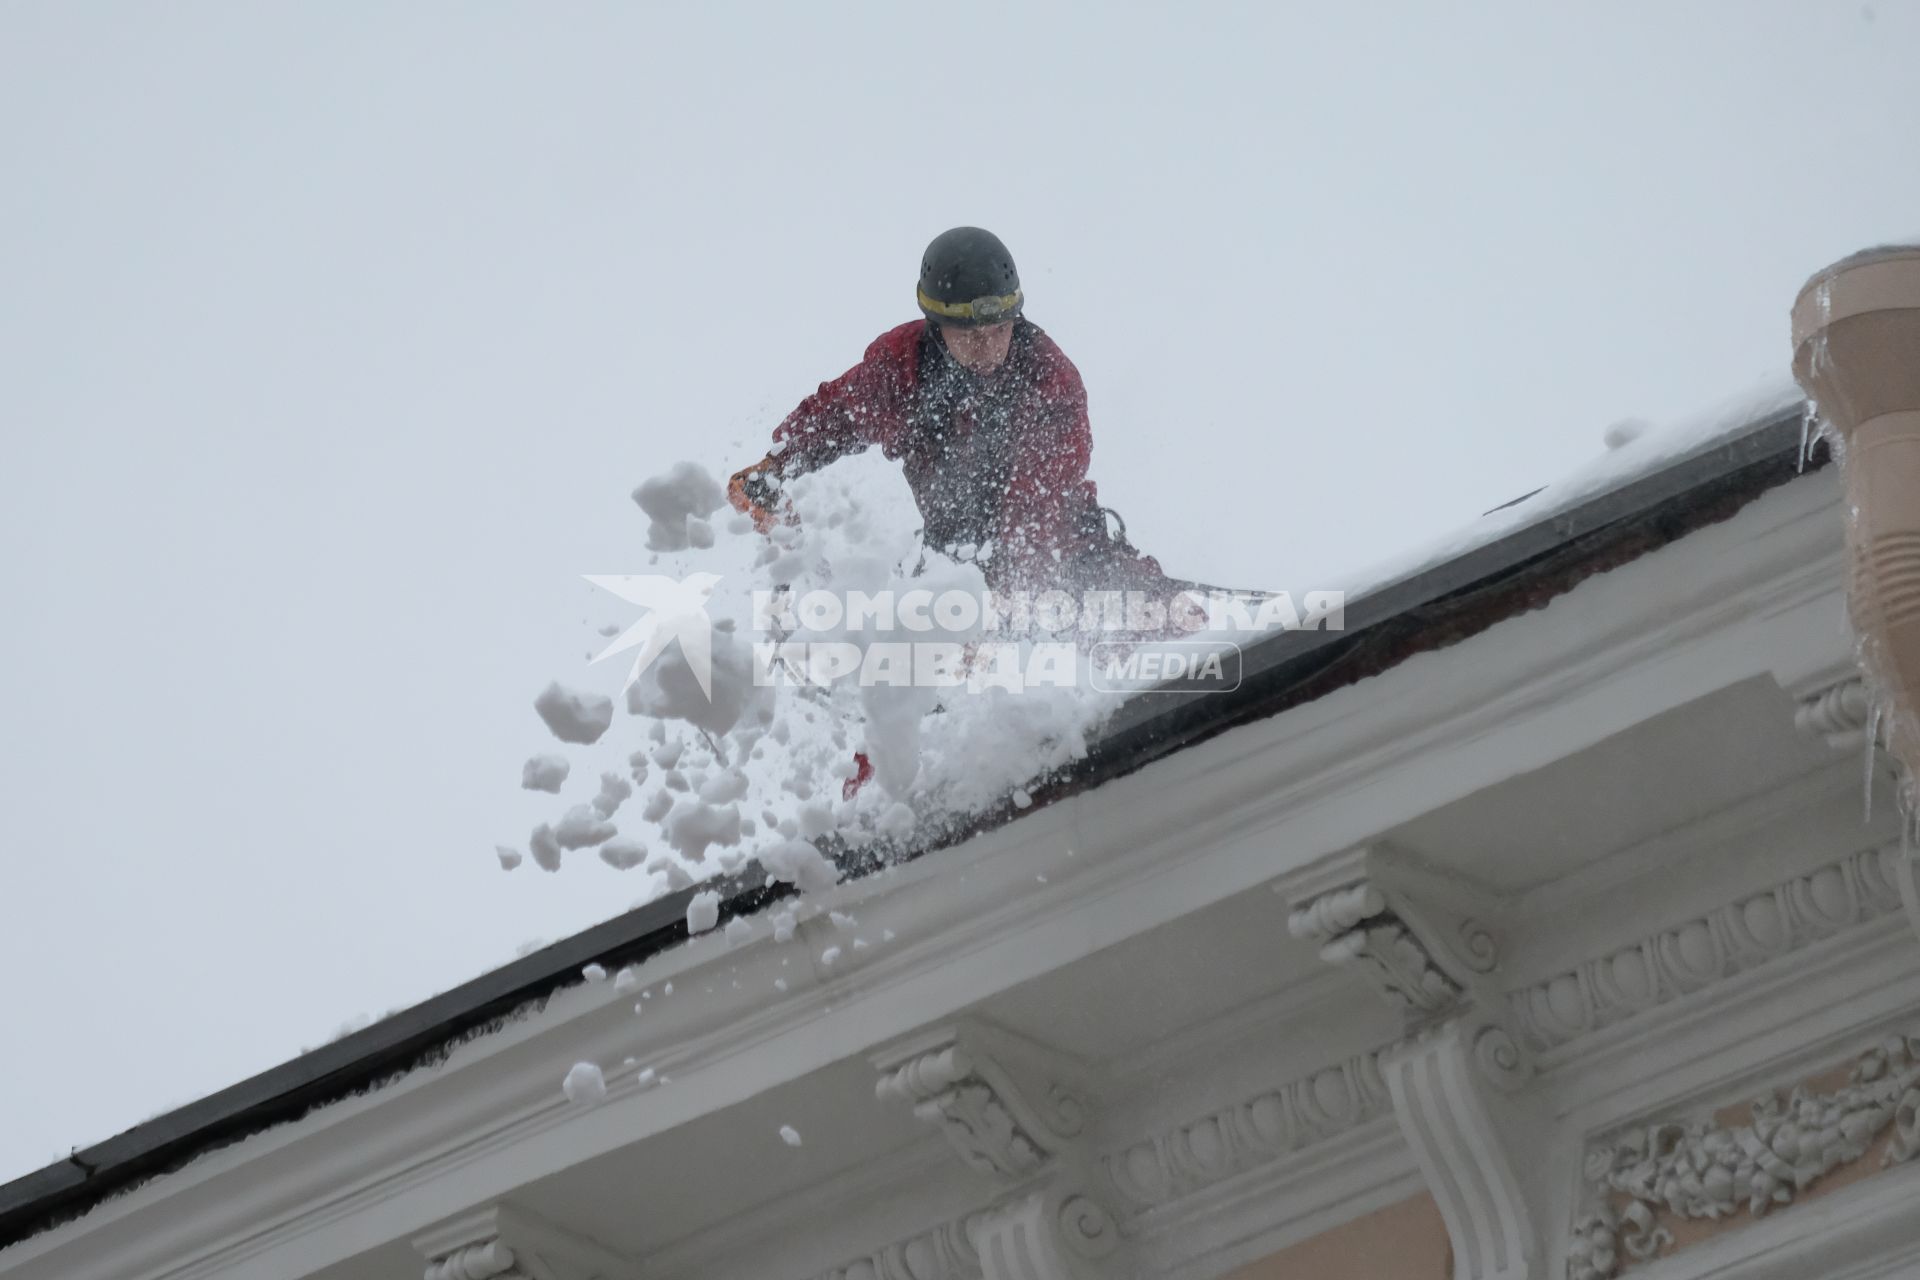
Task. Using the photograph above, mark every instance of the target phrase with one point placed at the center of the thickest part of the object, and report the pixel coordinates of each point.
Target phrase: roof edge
(1429, 610)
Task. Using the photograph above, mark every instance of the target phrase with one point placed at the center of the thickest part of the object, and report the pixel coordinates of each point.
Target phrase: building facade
(1539, 925)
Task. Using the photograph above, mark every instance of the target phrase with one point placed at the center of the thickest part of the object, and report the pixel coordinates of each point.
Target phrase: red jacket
(999, 461)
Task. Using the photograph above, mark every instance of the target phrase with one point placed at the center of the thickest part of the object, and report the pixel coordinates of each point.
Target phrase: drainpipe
(1856, 352)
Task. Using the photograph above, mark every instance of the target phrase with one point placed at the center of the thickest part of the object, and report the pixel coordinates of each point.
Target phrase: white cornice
(1765, 1024)
(1256, 1211)
(1733, 600)
(1757, 819)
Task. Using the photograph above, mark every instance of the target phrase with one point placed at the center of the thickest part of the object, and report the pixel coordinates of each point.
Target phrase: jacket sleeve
(864, 406)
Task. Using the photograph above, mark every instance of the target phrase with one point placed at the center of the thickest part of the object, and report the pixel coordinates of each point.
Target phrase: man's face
(981, 349)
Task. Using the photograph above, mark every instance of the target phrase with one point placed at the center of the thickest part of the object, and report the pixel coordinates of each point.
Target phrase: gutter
(1442, 606)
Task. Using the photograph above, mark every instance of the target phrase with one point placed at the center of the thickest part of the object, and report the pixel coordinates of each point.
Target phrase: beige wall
(1405, 1241)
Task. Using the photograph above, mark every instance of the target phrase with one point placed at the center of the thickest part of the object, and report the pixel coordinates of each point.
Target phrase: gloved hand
(754, 492)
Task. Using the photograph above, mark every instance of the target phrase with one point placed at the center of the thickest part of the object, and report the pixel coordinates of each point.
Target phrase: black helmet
(967, 278)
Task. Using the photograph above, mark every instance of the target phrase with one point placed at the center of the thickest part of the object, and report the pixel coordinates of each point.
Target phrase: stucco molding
(1014, 1111)
(1049, 1231)
(502, 1242)
(1838, 710)
(1427, 941)
(1842, 709)
(1695, 954)
(1705, 1170)
(1053, 1233)
(1421, 938)
(1747, 595)
(1448, 1086)
(944, 1252)
(1008, 1107)
(1197, 1154)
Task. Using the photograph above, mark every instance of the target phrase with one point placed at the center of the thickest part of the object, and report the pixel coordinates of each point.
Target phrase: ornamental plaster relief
(1657, 1188)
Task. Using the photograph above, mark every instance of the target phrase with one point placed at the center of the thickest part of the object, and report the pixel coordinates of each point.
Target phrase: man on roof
(988, 420)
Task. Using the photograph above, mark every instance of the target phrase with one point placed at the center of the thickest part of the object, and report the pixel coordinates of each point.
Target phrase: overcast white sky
(336, 335)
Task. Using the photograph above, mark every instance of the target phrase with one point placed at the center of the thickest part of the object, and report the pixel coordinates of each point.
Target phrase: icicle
(1824, 297)
(1909, 819)
(1873, 738)
(1810, 428)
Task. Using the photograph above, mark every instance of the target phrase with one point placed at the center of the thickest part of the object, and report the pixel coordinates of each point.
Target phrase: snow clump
(623, 853)
(582, 827)
(703, 912)
(674, 502)
(572, 715)
(584, 1083)
(544, 773)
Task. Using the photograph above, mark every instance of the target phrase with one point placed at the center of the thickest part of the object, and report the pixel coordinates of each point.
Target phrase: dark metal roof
(1510, 576)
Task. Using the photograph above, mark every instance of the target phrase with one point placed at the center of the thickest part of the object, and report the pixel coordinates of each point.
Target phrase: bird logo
(677, 610)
